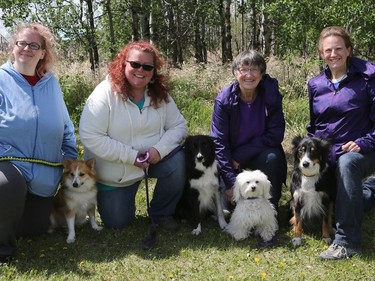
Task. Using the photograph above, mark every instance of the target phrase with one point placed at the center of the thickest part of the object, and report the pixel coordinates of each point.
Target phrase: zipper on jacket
(36, 121)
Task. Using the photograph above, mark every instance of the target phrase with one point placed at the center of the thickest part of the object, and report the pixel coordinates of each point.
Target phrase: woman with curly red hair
(128, 115)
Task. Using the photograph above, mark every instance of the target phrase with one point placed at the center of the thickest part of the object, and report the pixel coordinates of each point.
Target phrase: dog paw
(223, 225)
(328, 240)
(296, 241)
(197, 230)
(97, 227)
(239, 238)
(70, 240)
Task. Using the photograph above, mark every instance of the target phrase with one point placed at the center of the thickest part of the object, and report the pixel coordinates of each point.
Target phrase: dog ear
(186, 142)
(66, 163)
(267, 189)
(236, 191)
(91, 163)
(295, 142)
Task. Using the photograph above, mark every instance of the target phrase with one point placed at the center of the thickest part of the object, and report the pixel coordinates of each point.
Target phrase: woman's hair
(47, 39)
(335, 31)
(157, 88)
(249, 57)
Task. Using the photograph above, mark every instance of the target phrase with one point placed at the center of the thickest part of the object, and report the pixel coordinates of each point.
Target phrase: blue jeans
(272, 162)
(117, 207)
(355, 194)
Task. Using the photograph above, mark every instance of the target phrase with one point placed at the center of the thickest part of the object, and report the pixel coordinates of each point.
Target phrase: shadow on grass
(51, 255)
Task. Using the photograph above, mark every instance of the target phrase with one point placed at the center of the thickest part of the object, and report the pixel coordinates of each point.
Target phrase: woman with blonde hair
(36, 134)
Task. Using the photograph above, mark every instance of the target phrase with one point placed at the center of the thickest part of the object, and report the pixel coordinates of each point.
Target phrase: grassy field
(214, 255)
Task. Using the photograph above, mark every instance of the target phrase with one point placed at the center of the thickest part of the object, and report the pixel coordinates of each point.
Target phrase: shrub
(77, 83)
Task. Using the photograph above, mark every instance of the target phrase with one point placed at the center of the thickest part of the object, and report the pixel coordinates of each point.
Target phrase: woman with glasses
(248, 125)
(131, 123)
(36, 134)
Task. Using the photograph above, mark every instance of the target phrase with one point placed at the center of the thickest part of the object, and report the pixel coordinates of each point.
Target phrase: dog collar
(308, 176)
(251, 198)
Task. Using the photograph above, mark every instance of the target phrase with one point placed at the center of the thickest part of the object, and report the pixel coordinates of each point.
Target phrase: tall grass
(214, 255)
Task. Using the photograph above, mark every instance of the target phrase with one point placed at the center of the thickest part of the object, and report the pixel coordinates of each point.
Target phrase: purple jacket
(226, 120)
(345, 114)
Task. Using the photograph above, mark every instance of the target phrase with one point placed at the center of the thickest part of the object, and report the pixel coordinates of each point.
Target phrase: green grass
(214, 255)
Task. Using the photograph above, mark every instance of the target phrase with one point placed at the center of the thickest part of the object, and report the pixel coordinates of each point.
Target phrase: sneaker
(268, 243)
(167, 223)
(336, 252)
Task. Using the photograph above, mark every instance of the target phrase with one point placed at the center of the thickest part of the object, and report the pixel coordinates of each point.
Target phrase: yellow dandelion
(257, 259)
(263, 275)
(171, 275)
(302, 273)
(282, 264)
(325, 246)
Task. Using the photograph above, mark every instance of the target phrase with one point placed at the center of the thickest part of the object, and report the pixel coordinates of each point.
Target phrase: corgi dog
(76, 198)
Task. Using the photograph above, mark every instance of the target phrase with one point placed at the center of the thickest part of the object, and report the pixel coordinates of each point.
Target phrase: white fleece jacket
(114, 131)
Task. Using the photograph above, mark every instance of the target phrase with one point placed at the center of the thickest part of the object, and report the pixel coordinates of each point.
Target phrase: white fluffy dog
(253, 210)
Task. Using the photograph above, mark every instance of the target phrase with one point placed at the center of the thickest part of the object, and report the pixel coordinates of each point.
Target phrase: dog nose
(252, 188)
(305, 164)
(199, 157)
(75, 184)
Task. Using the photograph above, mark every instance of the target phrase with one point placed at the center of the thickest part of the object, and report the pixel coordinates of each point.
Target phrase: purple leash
(149, 242)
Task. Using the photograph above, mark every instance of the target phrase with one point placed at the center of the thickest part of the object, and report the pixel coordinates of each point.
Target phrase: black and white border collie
(201, 193)
(313, 189)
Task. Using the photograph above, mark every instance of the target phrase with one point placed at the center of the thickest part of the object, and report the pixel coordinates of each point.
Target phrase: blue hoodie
(346, 113)
(225, 126)
(34, 123)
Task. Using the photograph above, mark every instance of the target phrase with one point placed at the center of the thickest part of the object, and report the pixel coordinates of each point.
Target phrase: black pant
(21, 213)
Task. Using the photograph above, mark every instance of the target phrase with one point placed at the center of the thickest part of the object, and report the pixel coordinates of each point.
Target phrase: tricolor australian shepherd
(201, 193)
(313, 188)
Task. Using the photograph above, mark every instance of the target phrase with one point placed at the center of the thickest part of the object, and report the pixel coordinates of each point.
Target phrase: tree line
(185, 29)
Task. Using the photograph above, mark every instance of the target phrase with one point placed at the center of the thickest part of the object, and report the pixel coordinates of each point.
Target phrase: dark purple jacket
(226, 120)
(346, 114)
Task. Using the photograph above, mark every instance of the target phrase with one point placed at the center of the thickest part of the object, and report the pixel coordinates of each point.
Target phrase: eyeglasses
(32, 45)
(245, 70)
(137, 65)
